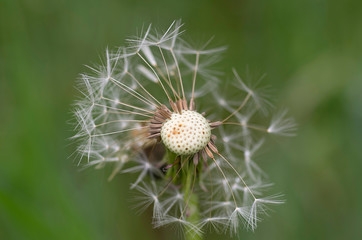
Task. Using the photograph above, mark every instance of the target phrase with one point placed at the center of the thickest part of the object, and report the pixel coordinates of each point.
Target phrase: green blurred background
(311, 51)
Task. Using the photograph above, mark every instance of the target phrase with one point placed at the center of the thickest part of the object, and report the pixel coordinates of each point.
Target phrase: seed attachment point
(186, 133)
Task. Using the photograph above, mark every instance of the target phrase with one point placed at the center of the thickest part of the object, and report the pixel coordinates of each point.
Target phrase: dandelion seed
(260, 205)
(143, 109)
(282, 125)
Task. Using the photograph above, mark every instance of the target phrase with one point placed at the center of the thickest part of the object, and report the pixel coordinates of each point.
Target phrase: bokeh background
(311, 51)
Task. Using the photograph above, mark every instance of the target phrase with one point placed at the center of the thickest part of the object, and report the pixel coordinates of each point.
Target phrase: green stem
(193, 217)
(187, 178)
(192, 201)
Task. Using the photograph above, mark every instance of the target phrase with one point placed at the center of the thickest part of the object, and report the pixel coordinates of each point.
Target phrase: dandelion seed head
(186, 133)
(143, 111)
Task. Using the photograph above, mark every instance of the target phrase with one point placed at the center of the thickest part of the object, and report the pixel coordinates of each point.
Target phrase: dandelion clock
(155, 109)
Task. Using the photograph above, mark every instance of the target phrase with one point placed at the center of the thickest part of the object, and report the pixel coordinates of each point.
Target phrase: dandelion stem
(191, 209)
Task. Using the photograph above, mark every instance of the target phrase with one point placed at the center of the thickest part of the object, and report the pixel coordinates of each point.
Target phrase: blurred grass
(309, 49)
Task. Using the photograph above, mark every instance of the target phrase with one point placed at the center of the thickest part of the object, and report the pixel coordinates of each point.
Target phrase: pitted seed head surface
(186, 133)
